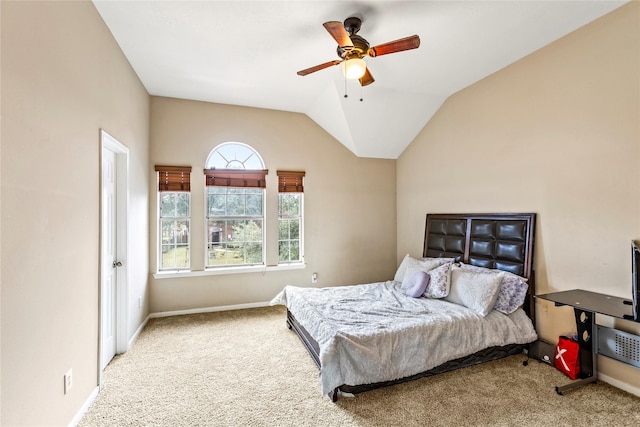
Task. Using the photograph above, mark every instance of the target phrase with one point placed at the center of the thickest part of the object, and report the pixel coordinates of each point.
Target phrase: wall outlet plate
(68, 381)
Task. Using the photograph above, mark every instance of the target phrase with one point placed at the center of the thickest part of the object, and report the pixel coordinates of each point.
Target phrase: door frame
(107, 142)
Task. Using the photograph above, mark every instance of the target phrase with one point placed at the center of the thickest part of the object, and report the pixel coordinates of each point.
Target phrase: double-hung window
(235, 217)
(290, 214)
(235, 181)
(174, 215)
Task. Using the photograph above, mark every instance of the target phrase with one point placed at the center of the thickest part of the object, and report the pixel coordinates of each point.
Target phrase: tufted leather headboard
(502, 241)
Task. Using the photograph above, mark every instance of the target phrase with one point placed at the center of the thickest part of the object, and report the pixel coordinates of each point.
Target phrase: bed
(372, 335)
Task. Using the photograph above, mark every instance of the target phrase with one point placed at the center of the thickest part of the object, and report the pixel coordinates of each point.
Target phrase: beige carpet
(245, 368)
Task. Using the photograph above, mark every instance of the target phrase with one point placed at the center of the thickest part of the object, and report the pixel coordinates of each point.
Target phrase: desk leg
(587, 339)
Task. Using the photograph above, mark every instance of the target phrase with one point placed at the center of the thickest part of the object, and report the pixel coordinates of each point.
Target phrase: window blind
(290, 181)
(174, 178)
(236, 178)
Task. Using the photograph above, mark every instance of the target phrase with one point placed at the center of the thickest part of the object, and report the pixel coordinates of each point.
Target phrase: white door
(109, 268)
(113, 250)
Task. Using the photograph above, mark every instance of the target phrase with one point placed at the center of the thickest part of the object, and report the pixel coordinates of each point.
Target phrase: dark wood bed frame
(503, 241)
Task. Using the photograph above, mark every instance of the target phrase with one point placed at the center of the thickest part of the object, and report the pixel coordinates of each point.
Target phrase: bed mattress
(373, 332)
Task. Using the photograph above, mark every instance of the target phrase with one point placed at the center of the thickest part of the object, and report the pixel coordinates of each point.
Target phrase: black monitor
(635, 265)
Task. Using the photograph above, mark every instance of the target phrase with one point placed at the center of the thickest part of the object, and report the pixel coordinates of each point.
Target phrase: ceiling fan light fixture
(354, 68)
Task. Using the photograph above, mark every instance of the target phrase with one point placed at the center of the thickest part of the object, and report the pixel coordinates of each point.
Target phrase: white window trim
(172, 274)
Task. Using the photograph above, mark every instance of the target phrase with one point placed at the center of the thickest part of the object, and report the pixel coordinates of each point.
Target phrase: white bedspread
(374, 332)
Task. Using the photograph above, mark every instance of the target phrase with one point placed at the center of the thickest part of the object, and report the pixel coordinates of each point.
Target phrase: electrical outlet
(314, 278)
(68, 381)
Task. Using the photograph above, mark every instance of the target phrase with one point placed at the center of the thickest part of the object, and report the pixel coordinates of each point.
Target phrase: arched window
(235, 199)
(234, 155)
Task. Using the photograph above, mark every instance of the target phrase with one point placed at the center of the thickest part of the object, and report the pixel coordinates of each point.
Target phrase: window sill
(228, 270)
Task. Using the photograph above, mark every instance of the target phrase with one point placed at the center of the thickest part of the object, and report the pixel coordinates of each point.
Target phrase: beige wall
(557, 133)
(63, 79)
(349, 202)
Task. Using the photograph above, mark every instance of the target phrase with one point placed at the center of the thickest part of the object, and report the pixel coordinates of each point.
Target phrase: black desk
(586, 305)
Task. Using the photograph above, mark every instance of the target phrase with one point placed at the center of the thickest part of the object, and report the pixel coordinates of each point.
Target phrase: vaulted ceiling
(248, 52)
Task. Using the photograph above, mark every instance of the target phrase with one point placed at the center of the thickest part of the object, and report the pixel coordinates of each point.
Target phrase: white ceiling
(248, 52)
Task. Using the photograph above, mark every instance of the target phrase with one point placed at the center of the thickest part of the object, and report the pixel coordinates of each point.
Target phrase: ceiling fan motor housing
(359, 49)
(352, 25)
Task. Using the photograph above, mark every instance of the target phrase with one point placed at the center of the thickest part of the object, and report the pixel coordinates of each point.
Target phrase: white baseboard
(619, 384)
(192, 311)
(137, 333)
(209, 309)
(76, 420)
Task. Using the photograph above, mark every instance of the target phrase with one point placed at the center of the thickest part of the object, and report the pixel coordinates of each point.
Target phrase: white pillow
(402, 268)
(513, 290)
(424, 264)
(474, 290)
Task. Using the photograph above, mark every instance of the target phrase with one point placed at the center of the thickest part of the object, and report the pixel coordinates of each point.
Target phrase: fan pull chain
(345, 91)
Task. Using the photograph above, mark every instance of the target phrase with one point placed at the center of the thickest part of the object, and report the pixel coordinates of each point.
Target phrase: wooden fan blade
(339, 34)
(318, 67)
(367, 79)
(407, 43)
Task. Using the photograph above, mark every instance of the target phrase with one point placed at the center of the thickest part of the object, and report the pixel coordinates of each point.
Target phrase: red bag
(567, 357)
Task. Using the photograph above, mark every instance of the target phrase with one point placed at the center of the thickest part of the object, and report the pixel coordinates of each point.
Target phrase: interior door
(109, 268)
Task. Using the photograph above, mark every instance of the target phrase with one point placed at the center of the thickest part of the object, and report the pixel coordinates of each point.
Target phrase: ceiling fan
(352, 48)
